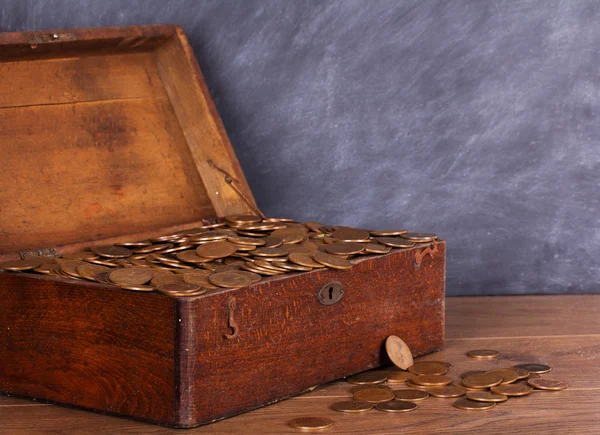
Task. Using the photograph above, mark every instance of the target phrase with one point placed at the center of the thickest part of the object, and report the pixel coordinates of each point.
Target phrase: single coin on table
(352, 406)
(508, 375)
(547, 384)
(428, 368)
(458, 383)
(486, 396)
(411, 395)
(367, 378)
(410, 383)
(358, 388)
(431, 380)
(396, 406)
(512, 390)
(472, 405)
(311, 423)
(483, 354)
(447, 391)
(534, 368)
(398, 377)
(398, 352)
(485, 380)
(374, 395)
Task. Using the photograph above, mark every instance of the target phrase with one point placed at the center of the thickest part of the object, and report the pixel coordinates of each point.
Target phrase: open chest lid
(107, 132)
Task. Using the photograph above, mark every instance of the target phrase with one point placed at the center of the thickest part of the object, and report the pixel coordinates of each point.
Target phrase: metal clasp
(430, 250)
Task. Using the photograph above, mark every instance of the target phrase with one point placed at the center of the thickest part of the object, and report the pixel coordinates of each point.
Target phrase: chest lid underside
(106, 132)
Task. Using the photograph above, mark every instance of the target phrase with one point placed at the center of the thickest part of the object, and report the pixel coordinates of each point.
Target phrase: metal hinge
(44, 252)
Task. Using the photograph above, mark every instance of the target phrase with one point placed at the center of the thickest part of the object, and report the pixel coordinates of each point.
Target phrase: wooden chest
(110, 135)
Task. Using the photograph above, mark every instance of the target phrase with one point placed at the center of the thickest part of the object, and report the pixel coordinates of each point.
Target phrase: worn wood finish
(510, 325)
(117, 139)
(272, 352)
(210, 373)
(88, 345)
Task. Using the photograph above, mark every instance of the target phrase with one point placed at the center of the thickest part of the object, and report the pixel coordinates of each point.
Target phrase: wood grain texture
(575, 358)
(204, 130)
(97, 347)
(288, 341)
(107, 132)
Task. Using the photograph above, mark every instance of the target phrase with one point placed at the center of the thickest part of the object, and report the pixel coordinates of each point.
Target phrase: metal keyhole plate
(331, 293)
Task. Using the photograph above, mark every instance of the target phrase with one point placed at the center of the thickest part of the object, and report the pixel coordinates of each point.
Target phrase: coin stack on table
(474, 391)
(235, 252)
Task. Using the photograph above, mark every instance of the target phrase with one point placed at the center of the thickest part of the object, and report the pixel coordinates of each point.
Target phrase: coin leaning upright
(398, 352)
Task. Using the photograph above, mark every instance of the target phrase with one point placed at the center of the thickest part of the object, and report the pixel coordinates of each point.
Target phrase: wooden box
(108, 135)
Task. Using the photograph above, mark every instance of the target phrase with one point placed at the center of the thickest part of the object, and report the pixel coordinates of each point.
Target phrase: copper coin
(387, 233)
(272, 242)
(198, 277)
(352, 406)
(512, 389)
(230, 279)
(110, 251)
(483, 354)
(419, 237)
(521, 373)
(534, 368)
(411, 395)
(89, 271)
(396, 406)
(70, 267)
(358, 388)
(311, 423)
(459, 383)
(398, 352)
(333, 261)
(547, 384)
(411, 384)
(243, 219)
(210, 236)
(367, 378)
(219, 249)
(472, 372)
(377, 248)
(80, 255)
(347, 234)
(290, 235)
(447, 391)
(428, 368)
(395, 242)
(138, 288)
(508, 375)
(431, 380)
(134, 244)
(472, 405)
(486, 396)
(301, 248)
(20, 265)
(253, 241)
(374, 395)
(345, 248)
(192, 256)
(398, 377)
(304, 260)
(443, 363)
(269, 252)
(131, 276)
(482, 381)
(177, 287)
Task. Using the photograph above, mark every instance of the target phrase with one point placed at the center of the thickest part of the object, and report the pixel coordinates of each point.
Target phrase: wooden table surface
(562, 331)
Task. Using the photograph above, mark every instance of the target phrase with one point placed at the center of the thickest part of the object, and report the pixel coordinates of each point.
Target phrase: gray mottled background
(478, 120)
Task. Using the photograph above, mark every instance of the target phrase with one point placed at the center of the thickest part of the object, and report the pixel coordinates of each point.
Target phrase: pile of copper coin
(235, 252)
(395, 390)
